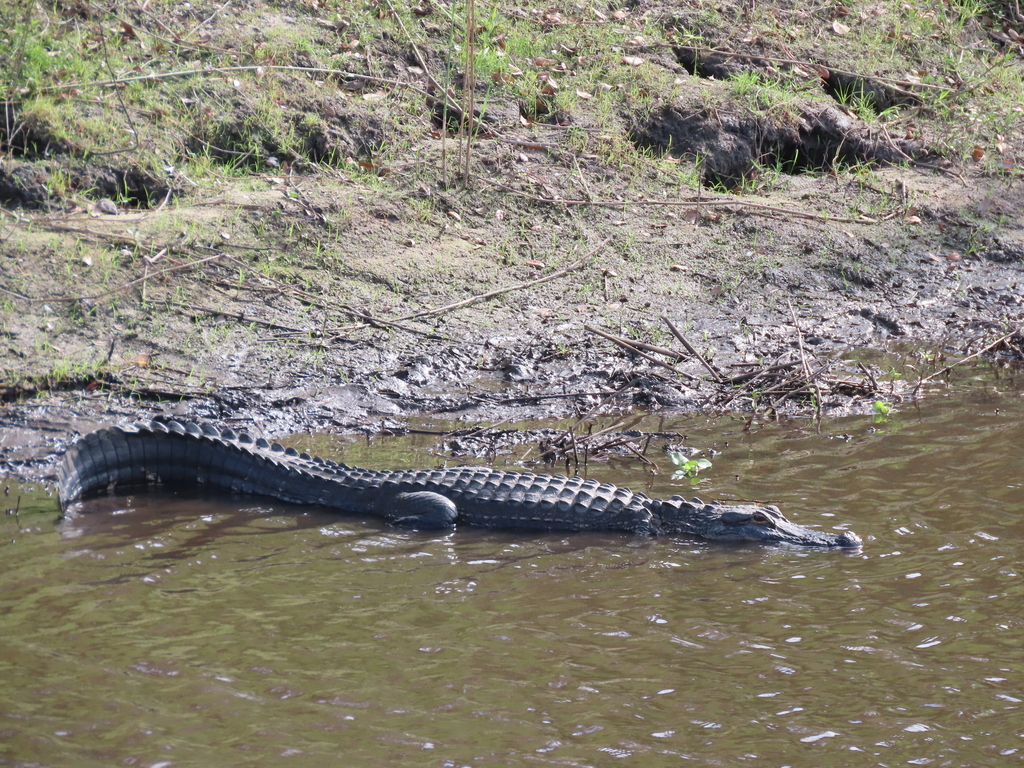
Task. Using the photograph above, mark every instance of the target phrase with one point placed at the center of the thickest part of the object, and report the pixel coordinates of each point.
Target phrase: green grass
(187, 124)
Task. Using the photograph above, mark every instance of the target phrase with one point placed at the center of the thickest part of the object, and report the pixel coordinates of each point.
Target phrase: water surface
(165, 629)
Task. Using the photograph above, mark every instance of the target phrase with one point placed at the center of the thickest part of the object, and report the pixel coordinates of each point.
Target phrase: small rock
(107, 206)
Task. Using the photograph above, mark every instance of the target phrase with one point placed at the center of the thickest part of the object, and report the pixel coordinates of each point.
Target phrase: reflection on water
(165, 630)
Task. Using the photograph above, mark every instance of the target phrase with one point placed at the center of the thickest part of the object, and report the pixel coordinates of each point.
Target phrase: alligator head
(745, 522)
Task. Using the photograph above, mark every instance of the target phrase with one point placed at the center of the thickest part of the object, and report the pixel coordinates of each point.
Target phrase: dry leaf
(978, 152)
(633, 61)
(679, 268)
(584, 94)
(839, 28)
(913, 220)
(540, 61)
(535, 263)
(372, 167)
(550, 86)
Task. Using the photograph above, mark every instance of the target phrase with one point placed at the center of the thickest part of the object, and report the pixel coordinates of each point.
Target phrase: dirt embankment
(271, 214)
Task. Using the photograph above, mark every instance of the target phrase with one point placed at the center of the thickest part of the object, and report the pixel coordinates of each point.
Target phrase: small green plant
(882, 411)
(688, 467)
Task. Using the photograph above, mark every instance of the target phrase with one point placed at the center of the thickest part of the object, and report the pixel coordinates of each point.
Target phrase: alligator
(179, 454)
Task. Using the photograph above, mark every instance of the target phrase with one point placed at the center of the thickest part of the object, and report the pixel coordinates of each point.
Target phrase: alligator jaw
(783, 531)
(746, 522)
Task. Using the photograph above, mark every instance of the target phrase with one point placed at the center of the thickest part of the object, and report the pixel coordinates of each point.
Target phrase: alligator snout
(848, 539)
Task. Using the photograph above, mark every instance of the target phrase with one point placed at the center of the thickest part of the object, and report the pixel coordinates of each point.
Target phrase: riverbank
(268, 215)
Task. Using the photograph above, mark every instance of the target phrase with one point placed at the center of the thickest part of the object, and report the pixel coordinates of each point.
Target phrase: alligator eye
(735, 518)
(760, 518)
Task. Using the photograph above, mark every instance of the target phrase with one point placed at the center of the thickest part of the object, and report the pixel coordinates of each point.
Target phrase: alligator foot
(420, 510)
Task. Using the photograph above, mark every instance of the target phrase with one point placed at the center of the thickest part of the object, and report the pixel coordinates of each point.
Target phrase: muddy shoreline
(655, 212)
(814, 376)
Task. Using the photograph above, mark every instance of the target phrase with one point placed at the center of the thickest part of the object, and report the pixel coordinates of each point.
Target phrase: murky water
(169, 631)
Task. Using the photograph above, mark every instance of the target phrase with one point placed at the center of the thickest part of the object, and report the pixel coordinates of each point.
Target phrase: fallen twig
(869, 375)
(596, 408)
(803, 361)
(519, 286)
(133, 283)
(702, 202)
(749, 377)
(692, 350)
(630, 347)
(225, 70)
(237, 316)
(951, 366)
(630, 447)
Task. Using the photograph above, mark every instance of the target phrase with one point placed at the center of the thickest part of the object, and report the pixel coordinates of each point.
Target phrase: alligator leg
(422, 510)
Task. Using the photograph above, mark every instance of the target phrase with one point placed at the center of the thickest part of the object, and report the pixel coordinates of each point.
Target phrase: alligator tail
(181, 455)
